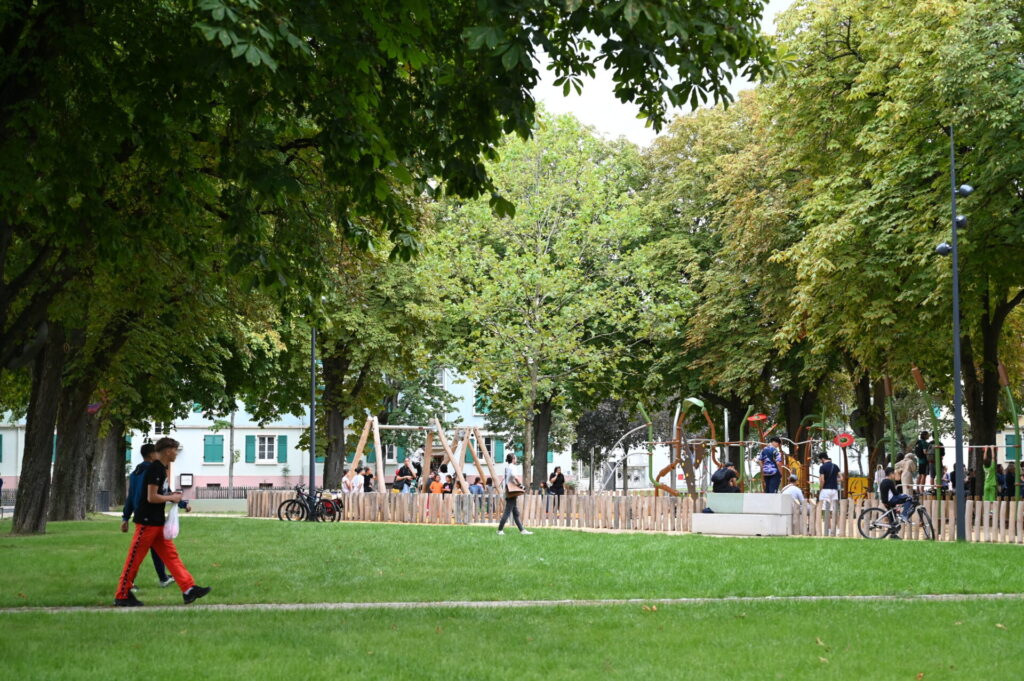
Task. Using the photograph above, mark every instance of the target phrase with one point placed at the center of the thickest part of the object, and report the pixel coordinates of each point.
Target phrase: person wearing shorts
(828, 495)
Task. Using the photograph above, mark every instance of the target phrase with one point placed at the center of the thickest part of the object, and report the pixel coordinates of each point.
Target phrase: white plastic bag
(171, 524)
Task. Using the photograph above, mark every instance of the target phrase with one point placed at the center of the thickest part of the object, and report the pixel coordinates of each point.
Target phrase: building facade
(266, 455)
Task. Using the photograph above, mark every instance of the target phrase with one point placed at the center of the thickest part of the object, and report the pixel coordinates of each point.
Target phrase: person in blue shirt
(770, 459)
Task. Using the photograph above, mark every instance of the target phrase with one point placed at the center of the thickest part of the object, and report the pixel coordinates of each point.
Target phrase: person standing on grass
(907, 469)
(828, 495)
(131, 503)
(149, 532)
(770, 459)
(511, 501)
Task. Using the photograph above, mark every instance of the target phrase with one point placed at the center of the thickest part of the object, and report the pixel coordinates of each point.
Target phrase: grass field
(248, 561)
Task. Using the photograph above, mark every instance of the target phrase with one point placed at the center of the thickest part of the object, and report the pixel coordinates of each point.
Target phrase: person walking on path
(770, 459)
(511, 481)
(131, 503)
(149, 532)
(829, 475)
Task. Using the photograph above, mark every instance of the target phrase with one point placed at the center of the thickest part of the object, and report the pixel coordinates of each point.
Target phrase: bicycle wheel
(322, 512)
(339, 508)
(926, 523)
(291, 509)
(873, 524)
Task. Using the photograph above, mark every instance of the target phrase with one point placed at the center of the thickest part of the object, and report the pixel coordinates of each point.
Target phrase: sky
(598, 107)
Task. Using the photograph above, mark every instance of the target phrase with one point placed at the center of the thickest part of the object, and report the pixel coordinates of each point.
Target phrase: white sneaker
(526, 532)
(167, 582)
(501, 533)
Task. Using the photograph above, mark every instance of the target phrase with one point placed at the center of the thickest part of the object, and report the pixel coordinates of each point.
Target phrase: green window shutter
(54, 459)
(481, 402)
(551, 456)
(518, 449)
(1012, 447)
(371, 455)
(250, 449)
(213, 449)
(499, 451)
(127, 448)
(350, 456)
(400, 456)
(469, 456)
(282, 449)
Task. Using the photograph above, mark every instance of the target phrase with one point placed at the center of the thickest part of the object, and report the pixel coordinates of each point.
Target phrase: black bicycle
(879, 523)
(304, 504)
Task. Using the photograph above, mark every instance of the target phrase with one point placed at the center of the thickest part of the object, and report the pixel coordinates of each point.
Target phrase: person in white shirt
(795, 492)
(350, 484)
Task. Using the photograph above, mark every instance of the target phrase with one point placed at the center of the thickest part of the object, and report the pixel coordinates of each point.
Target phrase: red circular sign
(757, 417)
(843, 440)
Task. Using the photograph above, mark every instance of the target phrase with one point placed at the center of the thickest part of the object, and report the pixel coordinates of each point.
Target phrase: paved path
(418, 605)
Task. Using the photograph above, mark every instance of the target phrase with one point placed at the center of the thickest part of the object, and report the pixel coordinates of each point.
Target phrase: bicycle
(304, 503)
(879, 523)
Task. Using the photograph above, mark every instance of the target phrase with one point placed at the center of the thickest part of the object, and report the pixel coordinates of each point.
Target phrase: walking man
(131, 504)
(149, 531)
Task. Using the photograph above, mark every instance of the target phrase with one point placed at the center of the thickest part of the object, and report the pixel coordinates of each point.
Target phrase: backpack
(721, 475)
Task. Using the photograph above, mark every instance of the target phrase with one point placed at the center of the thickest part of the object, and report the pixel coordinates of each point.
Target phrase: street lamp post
(312, 420)
(958, 221)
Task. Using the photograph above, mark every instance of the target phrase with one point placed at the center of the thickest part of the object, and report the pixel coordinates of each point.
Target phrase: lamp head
(965, 190)
(961, 222)
(943, 249)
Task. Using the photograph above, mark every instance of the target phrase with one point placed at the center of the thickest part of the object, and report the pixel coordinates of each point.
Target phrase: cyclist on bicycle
(890, 497)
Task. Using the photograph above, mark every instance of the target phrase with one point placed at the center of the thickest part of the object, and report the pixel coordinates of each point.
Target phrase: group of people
(148, 495)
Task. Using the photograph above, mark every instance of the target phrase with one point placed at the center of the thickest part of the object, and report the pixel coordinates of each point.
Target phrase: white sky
(598, 107)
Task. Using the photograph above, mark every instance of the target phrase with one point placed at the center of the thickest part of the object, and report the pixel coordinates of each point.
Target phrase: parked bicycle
(304, 504)
(879, 523)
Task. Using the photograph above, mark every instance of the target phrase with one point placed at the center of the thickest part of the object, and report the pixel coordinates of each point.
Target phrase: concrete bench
(754, 514)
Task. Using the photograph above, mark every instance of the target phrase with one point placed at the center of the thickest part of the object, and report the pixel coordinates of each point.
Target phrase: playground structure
(695, 456)
(471, 441)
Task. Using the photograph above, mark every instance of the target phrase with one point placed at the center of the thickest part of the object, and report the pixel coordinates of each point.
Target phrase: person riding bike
(890, 497)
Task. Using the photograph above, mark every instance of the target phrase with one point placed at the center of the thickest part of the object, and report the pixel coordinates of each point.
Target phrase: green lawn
(876, 641)
(250, 561)
(265, 561)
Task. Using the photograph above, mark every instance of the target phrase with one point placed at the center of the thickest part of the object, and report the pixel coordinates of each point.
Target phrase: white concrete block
(743, 524)
(776, 504)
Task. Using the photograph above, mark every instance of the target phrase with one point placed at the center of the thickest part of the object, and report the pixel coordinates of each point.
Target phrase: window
(266, 485)
(390, 453)
(265, 449)
(439, 378)
(489, 445)
(213, 485)
(162, 427)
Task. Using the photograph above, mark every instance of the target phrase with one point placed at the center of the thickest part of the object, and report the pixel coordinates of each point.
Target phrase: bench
(753, 514)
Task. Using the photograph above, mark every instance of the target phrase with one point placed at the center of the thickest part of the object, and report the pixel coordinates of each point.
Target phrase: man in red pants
(149, 532)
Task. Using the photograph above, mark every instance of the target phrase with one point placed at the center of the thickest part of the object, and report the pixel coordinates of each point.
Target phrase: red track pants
(145, 538)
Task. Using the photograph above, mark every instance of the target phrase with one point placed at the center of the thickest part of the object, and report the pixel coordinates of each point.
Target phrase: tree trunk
(34, 484)
(334, 463)
(76, 444)
(981, 399)
(870, 417)
(108, 465)
(796, 406)
(541, 439)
